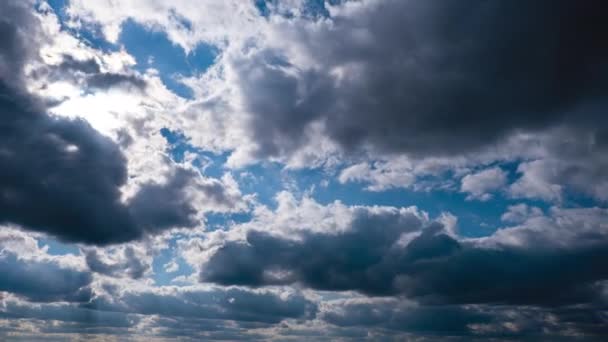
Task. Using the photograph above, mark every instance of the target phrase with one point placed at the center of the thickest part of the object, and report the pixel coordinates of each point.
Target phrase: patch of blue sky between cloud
(161, 275)
(152, 49)
(213, 165)
(266, 179)
(209, 163)
(311, 8)
(88, 33)
(56, 247)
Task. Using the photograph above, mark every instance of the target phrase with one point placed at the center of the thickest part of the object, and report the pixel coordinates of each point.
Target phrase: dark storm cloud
(432, 268)
(43, 281)
(431, 77)
(58, 175)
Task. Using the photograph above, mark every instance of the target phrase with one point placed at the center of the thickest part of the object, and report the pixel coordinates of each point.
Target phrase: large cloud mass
(543, 261)
(303, 170)
(61, 176)
(428, 77)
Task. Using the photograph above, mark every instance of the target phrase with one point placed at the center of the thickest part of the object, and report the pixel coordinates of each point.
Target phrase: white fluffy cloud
(480, 185)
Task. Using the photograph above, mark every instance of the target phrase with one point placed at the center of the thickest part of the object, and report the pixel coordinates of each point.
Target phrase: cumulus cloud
(388, 252)
(282, 89)
(43, 281)
(341, 261)
(128, 264)
(88, 74)
(520, 213)
(380, 176)
(444, 86)
(39, 151)
(480, 185)
(63, 177)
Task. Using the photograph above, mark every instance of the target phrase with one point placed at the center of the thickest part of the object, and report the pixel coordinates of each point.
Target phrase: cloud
(129, 264)
(381, 176)
(43, 281)
(163, 312)
(398, 315)
(162, 206)
(571, 161)
(212, 303)
(336, 261)
(88, 74)
(444, 104)
(444, 86)
(283, 90)
(545, 261)
(480, 184)
(185, 23)
(472, 321)
(519, 213)
(108, 80)
(60, 176)
(61, 170)
(67, 314)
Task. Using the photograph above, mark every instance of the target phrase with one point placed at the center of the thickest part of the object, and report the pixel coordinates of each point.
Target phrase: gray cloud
(161, 206)
(396, 315)
(107, 80)
(88, 73)
(68, 313)
(471, 322)
(573, 161)
(130, 266)
(225, 304)
(212, 314)
(88, 66)
(431, 78)
(42, 280)
(551, 264)
(60, 176)
(344, 261)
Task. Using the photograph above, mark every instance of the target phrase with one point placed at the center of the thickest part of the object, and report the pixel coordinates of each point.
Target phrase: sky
(303, 170)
